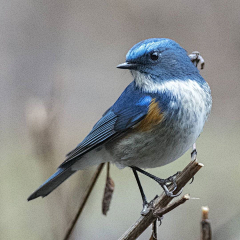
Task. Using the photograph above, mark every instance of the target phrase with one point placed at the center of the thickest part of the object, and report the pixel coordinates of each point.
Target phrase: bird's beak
(127, 65)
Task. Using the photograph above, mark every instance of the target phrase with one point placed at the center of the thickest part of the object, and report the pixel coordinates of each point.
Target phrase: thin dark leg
(145, 203)
(164, 183)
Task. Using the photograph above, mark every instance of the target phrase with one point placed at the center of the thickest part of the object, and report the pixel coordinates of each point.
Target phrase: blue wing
(131, 107)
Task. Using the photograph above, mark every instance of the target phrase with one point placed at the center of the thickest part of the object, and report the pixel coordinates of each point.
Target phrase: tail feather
(53, 182)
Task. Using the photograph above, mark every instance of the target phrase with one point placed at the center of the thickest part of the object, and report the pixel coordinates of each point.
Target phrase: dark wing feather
(129, 109)
(101, 131)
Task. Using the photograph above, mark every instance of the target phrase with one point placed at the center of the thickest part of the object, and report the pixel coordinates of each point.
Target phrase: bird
(156, 119)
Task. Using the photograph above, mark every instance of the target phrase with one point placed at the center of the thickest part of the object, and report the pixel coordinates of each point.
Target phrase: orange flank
(153, 117)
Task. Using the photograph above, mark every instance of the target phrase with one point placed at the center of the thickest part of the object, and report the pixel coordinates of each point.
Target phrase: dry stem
(84, 200)
(108, 192)
(206, 233)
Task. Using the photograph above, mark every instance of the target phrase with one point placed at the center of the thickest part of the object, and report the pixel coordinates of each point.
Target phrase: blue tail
(53, 182)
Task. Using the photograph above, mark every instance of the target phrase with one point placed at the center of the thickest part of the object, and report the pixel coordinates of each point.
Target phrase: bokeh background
(58, 75)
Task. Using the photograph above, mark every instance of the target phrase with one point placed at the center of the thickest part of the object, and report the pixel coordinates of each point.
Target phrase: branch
(84, 200)
(160, 212)
(161, 202)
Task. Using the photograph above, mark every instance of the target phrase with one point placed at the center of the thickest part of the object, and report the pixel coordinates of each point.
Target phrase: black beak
(127, 65)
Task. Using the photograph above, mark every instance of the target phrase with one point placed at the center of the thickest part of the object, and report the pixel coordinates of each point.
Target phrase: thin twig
(206, 233)
(160, 212)
(84, 200)
(144, 221)
(170, 207)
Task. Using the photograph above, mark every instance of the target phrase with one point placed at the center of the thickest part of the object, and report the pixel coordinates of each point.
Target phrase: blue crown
(149, 45)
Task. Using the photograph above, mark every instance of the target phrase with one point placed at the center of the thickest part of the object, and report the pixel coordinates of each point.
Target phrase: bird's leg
(164, 183)
(145, 202)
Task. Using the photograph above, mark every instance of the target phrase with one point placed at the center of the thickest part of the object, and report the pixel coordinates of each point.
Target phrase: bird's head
(159, 59)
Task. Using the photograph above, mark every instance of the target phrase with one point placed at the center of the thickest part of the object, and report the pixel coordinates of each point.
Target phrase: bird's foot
(196, 58)
(145, 209)
(165, 183)
(147, 206)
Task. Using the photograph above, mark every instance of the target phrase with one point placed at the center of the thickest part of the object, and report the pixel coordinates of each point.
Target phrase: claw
(165, 183)
(179, 193)
(169, 181)
(170, 193)
(172, 180)
(192, 180)
(194, 154)
(160, 220)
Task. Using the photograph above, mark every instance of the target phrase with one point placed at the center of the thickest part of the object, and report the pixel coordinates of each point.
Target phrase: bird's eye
(154, 56)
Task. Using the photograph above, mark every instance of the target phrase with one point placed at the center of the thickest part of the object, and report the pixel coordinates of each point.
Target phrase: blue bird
(157, 118)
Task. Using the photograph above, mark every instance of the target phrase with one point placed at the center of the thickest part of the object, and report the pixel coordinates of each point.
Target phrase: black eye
(154, 56)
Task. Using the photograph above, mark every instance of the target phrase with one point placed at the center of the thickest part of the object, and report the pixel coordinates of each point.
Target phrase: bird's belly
(160, 146)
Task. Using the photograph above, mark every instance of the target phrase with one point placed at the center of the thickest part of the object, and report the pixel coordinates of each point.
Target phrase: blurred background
(58, 75)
